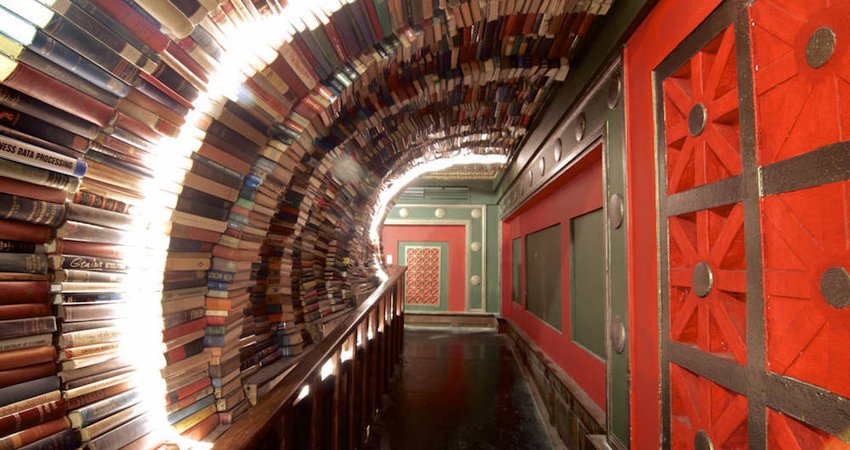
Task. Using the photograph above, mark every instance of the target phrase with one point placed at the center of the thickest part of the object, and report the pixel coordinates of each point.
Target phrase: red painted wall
(665, 27)
(455, 235)
(576, 192)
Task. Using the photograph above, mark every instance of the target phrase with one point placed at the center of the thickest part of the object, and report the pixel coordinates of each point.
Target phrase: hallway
(460, 390)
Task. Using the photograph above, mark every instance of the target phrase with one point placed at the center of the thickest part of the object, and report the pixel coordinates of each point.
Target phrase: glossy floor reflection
(460, 390)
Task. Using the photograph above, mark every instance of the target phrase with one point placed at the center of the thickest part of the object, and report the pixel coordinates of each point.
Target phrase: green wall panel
(587, 275)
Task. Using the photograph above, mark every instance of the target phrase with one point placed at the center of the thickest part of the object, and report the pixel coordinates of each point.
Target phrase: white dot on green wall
(475, 246)
(440, 213)
(475, 280)
(403, 212)
(476, 213)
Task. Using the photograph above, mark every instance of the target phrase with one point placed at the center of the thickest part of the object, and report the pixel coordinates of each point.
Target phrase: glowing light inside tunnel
(250, 47)
(396, 184)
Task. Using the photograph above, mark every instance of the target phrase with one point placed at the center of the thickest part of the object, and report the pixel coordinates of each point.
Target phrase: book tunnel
(424, 224)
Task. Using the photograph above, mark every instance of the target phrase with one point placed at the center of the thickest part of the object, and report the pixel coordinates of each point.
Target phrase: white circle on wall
(475, 246)
(403, 212)
(476, 213)
(440, 213)
(475, 280)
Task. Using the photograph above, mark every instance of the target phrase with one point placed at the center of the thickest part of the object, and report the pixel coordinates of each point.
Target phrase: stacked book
(37, 173)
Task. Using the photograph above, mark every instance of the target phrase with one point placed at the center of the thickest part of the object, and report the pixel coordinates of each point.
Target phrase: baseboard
(450, 320)
(571, 411)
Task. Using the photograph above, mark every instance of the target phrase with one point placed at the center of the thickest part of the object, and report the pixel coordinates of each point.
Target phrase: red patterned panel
(697, 404)
(806, 233)
(786, 433)
(708, 79)
(799, 107)
(422, 280)
(715, 323)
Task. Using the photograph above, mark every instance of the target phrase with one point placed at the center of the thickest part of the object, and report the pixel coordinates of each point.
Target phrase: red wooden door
(753, 119)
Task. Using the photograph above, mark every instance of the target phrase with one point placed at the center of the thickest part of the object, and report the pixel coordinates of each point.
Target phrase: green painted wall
(484, 230)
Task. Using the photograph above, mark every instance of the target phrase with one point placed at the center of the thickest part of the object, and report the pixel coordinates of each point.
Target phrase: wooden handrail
(258, 421)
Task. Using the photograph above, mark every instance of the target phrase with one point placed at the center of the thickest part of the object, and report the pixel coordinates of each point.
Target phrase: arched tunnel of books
(220, 218)
(209, 170)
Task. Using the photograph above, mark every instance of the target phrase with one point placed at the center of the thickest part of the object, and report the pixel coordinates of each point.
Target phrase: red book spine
(187, 390)
(287, 74)
(28, 373)
(92, 397)
(181, 55)
(33, 191)
(184, 328)
(31, 417)
(336, 41)
(19, 231)
(373, 18)
(40, 86)
(135, 23)
(216, 320)
(24, 310)
(92, 249)
(225, 252)
(263, 95)
(15, 292)
(26, 357)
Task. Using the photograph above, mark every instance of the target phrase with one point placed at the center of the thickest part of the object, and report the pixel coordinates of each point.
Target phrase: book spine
(35, 434)
(91, 397)
(87, 276)
(46, 112)
(92, 413)
(93, 249)
(97, 216)
(30, 402)
(15, 262)
(90, 233)
(8, 246)
(25, 342)
(86, 198)
(24, 310)
(52, 50)
(93, 264)
(24, 357)
(34, 126)
(37, 212)
(171, 78)
(131, 25)
(19, 231)
(96, 429)
(22, 152)
(66, 78)
(74, 313)
(34, 175)
(122, 435)
(60, 441)
(69, 34)
(106, 30)
(31, 417)
(84, 351)
(89, 337)
(36, 84)
(15, 292)
(25, 390)
(22, 374)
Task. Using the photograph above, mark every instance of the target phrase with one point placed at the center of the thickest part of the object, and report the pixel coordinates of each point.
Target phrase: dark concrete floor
(460, 390)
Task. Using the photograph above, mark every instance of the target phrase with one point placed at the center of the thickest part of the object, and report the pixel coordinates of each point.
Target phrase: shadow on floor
(459, 390)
